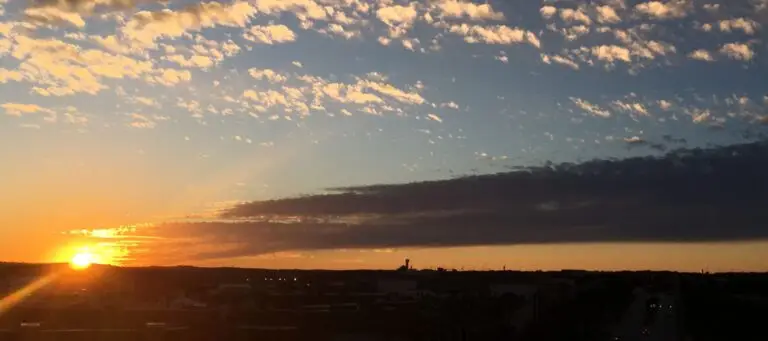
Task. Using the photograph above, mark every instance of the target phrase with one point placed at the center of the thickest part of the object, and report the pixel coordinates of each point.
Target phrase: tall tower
(407, 264)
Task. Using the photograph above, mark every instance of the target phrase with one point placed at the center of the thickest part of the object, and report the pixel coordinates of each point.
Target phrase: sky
(610, 134)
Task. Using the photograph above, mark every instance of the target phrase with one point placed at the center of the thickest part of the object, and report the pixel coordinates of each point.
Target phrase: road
(662, 328)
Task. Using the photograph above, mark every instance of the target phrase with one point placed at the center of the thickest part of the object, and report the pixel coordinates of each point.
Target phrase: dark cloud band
(685, 196)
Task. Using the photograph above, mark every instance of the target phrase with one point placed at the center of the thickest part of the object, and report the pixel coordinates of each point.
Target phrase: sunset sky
(134, 128)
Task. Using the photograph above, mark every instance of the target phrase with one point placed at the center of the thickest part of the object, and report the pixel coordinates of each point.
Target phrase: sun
(81, 260)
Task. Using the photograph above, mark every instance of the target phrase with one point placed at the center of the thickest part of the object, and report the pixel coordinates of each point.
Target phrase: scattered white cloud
(747, 26)
(574, 32)
(549, 59)
(303, 9)
(574, 15)
(738, 51)
(53, 16)
(712, 8)
(391, 91)
(270, 34)
(398, 18)
(497, 34)
(141, 121)
(334, 29)
(435, 118)
(607, 15)
(10, 75)
(636, 108)
(467, 9)
(702, 55)
(58, 68)
(268, 74)
(384, 41)
(197, 61)
(145, 27)
(672, 9)
(171, 77)
(634, 140)
(548, 11)
(18, 109)
(590, 108)
(410, 44)
(146, 101)
(699, 115)
(611, 53)
(450, 104)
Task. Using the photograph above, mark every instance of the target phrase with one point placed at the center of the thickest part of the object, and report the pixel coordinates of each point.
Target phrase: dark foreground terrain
(107, 303)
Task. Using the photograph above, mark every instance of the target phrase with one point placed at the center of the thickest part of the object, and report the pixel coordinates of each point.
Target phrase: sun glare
(81, 261)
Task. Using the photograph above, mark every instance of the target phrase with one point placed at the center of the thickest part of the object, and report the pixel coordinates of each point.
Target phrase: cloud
(497, 34)
(450, 104)
(371, 93)
(10, 75)
(391, 91)
(303, 9)
(637, 108)
(145, 27)
(398, 18)
(171, 77)
(268, 74)
(611, 53)
(548, 11)
(85, 6)
(334, 29)
(712, 8)
(747, 26)
(548, 59)
(146, 101)
(141, 121)
(590, 108)
(570, 15)
(702, 55)
(435, 118)
(673, 9)
(470, 10)
(270, 34)
(53, 15)
(397, 14)
(18, 109)
(738, 51)
(411, 44)
(197, 61)
(59, 68)
(384, 41)
(607, 15)
(349, 93)
(683, 196)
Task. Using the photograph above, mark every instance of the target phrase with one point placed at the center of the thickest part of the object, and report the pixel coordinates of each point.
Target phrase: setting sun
(82, 261)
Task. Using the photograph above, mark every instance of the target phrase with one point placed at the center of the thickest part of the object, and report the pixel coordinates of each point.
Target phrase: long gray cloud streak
(685, 196)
